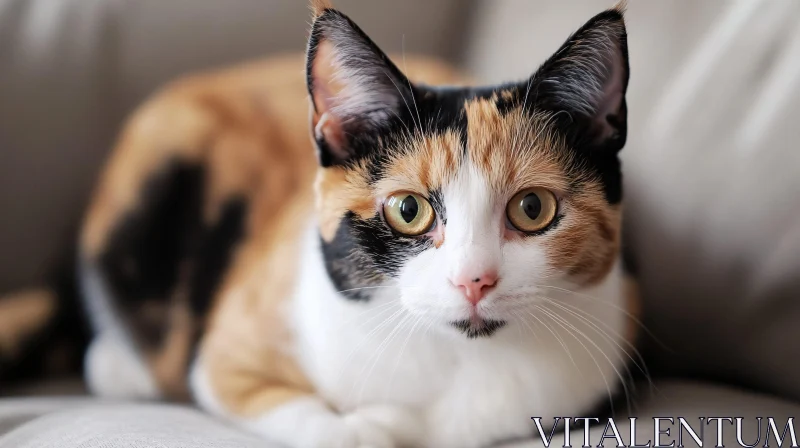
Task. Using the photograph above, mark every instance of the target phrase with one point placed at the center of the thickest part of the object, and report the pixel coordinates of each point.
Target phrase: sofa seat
(82, 422)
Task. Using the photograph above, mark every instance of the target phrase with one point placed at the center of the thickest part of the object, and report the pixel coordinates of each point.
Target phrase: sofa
(712, 180)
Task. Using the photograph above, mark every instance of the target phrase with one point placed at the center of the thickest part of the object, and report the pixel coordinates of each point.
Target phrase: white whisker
(588, 318)
(572, 328)
(378, 354)
(366, 339)
(599, 300)
(558, 338)
(403, 347)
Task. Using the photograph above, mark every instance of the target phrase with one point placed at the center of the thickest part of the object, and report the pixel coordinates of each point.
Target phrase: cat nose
(475, 287)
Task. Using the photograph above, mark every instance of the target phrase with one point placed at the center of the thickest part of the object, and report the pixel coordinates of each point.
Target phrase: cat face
(468, 201)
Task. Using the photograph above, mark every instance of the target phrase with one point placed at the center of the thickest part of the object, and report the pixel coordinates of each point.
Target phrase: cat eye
(532, 209)
(408, 213)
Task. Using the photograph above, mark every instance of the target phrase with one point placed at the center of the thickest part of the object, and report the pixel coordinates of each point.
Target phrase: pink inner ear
(329, 128)
(327, 124)
(323, 73)
(610, 100)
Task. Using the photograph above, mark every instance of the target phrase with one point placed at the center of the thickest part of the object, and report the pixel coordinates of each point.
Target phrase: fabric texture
(89, 424)
(16, 412)
(128, 426)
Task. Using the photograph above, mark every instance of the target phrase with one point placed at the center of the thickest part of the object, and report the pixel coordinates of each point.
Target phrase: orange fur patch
(224, 121)
(247, 348)
(169, 364)
(319, 6)
(21, 315)
(427, 164)
(512, 150)
(339, 190)
(586, 243)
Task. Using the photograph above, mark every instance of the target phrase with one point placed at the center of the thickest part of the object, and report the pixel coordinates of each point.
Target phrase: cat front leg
(310, 422)
(405, 426)
(274, 401)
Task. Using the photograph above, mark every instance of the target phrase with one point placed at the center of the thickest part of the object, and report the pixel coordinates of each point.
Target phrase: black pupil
(532, 206)
(409, 208)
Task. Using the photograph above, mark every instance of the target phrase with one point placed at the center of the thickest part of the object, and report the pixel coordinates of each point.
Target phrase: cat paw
(367, 434)
(402, 426)
(311, 423)
(114, 370)
(349, 431)
(375, 427)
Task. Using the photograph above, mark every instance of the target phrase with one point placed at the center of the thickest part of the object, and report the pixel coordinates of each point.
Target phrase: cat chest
(354, 360)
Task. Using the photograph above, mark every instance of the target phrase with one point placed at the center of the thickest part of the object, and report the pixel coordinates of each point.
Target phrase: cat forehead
(487, 130)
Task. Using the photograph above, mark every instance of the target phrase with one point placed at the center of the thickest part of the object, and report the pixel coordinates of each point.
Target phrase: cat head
(465, 201)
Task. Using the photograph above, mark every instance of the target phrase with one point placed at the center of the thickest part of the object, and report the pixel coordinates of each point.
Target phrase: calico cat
(444, 266)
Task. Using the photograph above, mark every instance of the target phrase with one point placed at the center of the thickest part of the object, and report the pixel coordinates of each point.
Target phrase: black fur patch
(213, 254)
(365, 253)
(484, 329)
(56, 348)
(142, 259)
(348, 269)
(164, 246)
(437, 202)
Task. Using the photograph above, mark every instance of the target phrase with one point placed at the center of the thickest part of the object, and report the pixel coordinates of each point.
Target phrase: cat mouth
(478, 327)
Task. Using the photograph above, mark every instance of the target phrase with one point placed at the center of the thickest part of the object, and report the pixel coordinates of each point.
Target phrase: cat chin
(478, 327)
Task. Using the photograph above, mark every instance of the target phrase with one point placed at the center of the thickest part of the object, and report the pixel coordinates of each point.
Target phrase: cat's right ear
(356, 91)
(587, 78)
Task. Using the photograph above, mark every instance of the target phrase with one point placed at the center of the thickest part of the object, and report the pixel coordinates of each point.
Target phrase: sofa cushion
(87, 424)
(15, 412)
(127, 426)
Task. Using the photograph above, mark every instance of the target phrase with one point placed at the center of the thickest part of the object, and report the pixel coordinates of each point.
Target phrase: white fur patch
(114, 370)
(202, 391)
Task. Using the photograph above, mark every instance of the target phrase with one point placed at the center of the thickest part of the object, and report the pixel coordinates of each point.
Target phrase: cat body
(444, 266)
(425, 388)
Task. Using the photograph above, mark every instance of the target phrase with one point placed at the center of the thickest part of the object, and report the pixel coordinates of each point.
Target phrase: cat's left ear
(587, 78)
(355, 89)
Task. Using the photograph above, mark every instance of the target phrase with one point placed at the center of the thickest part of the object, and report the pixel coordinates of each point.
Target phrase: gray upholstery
(82, 424)
(126, 425)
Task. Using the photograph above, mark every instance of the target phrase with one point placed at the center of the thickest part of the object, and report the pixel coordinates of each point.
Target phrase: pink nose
(475, 287)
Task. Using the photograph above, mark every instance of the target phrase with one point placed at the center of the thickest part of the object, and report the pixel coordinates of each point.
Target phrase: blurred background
(712, 163)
